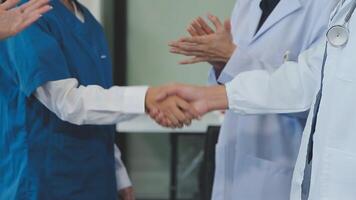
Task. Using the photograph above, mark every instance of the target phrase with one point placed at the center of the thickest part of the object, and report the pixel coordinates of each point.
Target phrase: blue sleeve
(36, 57)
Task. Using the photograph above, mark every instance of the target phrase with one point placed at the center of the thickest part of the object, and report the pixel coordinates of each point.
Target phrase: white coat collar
(283, 9)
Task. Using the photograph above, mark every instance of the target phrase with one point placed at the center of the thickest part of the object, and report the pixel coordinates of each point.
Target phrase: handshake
(176, 105)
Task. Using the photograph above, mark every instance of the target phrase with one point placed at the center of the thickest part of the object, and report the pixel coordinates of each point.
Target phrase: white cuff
(122, 178)
(134, 99)
(230, 94)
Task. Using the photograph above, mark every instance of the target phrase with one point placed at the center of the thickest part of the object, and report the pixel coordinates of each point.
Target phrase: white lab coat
(255, 155)
(334, 162)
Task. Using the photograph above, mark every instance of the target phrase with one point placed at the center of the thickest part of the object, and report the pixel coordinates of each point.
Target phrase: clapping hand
(205, 44)
(15, 19)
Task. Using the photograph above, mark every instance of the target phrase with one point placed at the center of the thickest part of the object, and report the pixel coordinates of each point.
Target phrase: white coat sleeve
(289, 89)
(122, 178)
(92, 104)
(212, 79)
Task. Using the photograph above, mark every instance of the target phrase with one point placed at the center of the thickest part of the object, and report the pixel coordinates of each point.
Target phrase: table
(208, 125)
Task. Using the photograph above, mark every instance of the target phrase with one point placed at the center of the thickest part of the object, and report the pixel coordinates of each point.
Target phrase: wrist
(149, 101)
(216, 97)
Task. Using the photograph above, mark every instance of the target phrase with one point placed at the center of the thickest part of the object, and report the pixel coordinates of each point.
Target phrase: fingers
(188, 46)
(216, 21)
(166, 92)
(35, 16)
(227, 25)
(34, 7)
(188, 108)
(197, 28)
(186, 53)
(206, 28)
(192, 32)
(195, 60)
(194, 40)
(172, 117)
(175, 113)
(9, 4)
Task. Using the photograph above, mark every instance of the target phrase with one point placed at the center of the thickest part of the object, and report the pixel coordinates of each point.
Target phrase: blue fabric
(42, 157)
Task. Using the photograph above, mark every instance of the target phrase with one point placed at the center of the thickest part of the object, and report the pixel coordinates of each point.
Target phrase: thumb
(227, 25)
(166, 92)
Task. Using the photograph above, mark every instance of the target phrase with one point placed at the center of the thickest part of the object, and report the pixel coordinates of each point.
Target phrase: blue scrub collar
(69, 17)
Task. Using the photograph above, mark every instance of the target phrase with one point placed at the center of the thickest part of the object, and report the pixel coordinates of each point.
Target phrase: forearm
(122, 177)
(216, 97)
(289, 89)
(241, 61)
(91, 104)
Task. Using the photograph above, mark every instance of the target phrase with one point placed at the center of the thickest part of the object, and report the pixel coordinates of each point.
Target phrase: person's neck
(68, 4)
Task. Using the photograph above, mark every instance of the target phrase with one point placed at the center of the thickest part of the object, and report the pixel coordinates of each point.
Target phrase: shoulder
(320, 5)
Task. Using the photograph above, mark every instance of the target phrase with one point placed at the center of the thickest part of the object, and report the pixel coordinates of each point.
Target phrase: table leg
(174, 166)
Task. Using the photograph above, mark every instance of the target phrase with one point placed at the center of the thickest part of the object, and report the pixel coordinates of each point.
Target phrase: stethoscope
(339, 35)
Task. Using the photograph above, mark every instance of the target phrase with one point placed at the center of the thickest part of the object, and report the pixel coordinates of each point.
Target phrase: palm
(11, 21)
(14, 19)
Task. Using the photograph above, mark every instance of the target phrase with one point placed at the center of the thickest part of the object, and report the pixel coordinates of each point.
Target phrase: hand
(203, 99)
(15, 19)
(127, 194)
(200, 28)
(173, 112)
(216, 47)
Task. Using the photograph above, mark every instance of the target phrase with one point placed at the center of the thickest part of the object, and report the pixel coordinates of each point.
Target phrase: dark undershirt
(267, 6)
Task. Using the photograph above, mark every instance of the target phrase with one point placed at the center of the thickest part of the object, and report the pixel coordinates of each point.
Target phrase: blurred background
(163, 164)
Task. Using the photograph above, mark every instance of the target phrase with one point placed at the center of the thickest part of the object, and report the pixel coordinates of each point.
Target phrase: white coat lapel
(283, 9)
(244, 30)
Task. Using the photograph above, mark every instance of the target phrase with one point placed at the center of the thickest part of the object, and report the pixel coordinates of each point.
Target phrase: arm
(289, 89)
(83, 105)
(91, 104)
(122, 177)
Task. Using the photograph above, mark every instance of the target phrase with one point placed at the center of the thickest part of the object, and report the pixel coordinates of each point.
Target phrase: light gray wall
(152, 24)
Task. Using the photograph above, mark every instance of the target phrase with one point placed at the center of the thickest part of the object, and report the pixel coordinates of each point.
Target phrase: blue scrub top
(42, 157)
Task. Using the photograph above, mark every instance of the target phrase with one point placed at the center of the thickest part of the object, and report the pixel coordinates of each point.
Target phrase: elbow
(72, 117)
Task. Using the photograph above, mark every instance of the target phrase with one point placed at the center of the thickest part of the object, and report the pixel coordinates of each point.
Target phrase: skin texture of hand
(206, 45)
(127, 194)
(174, 112)
(199, 27)
(203, 99)
(15, 19)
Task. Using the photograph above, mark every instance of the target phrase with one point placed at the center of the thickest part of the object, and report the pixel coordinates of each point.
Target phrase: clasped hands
(176, 105)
